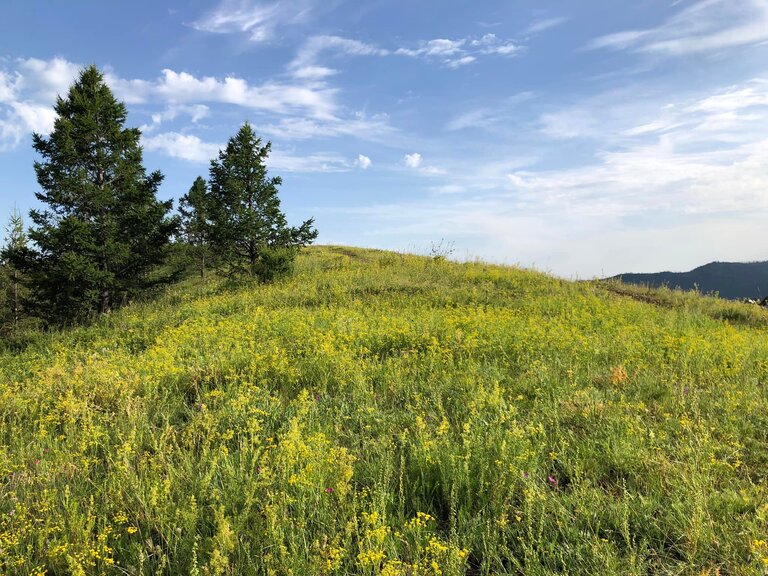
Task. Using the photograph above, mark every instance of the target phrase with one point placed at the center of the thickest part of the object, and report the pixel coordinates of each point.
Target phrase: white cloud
(193, 149)
(8, 87)
(463, 61)
(309, 163)
(35, 117)
(491, 44)
(708, 25)
(363, 162)
(433, 171)
(539, 26)
(437, 47)
(502, 113)
(182, 87)
(412, 160)
(304, 65)
(359, 125)
(415, 162)
(196, 112)
(704, 155)
(46, 79)
(257, 19)
(179, 88)
(27, 95)
(182, 146)
(569, 123)
(451, 53)
(472, 119)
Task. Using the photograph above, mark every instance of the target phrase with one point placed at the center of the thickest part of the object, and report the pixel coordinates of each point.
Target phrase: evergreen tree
(250, 233)
(103, 230)
(13, 291)
(195, 225)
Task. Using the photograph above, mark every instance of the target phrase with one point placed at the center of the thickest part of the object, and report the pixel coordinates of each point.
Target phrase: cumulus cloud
(27, 94)
(363, 162)
(412, 160)
(179, 88)
(416, 162)
(182, 146)
(706, 26)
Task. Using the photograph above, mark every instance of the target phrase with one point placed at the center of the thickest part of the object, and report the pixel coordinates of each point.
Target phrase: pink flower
(329, 490)
(552, 481)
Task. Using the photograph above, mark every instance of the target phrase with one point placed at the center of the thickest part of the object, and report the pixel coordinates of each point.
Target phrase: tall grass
(379, 413)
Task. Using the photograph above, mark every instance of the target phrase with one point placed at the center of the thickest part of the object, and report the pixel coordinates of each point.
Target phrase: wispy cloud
(450, 53)
(501, 113)
(304, 65)
(373, 128)
(707, 25)
(191, 148)
(456, 53)
(259, 20)
(539, 26)
(701, 155)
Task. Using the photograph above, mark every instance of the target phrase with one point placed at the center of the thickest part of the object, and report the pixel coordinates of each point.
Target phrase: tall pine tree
(194, 208)
(103, 229)
(250, 234)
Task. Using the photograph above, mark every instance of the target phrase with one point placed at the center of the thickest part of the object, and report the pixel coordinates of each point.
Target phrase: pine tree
(195, 213)
(103, 230)
(250, 233)
(13, 291)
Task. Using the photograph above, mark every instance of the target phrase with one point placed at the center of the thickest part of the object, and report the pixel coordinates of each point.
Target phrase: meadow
(380, 413)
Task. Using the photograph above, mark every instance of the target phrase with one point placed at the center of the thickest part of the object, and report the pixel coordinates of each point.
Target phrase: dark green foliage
(103, 230)
(12, 291)
(195, 226)
(250, 234)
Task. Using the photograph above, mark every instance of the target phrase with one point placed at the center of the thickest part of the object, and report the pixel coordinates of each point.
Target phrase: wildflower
(329, 490)
(552, 481)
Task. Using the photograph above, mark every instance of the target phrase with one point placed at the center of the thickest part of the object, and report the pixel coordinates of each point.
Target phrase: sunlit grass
(379, 413)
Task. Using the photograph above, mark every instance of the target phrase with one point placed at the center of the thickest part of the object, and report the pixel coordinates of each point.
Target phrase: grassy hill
(734, 280)
(387, 414)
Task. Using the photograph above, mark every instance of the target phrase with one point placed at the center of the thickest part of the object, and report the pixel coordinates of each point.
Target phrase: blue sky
(583, 138)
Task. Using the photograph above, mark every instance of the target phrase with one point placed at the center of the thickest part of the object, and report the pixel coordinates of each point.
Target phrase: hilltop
(732, 280)
(380, 413)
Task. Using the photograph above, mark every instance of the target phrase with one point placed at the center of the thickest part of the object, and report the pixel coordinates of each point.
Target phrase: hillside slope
(388, 414)
(733, 280)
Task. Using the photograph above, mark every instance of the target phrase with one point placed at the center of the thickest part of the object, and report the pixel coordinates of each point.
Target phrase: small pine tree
(194, 209)
(249, 232)
(13, 292)
(103, 230)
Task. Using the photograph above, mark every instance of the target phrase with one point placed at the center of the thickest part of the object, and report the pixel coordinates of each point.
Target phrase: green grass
(378, 413)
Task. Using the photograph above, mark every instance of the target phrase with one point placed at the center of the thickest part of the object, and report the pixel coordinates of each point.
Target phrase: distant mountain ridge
(732, 280)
